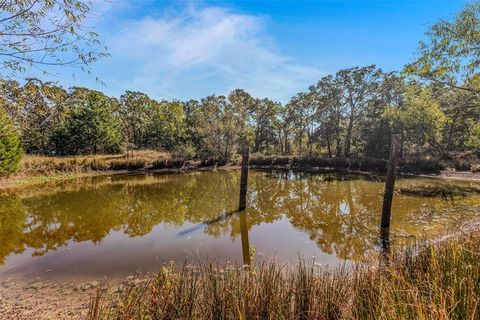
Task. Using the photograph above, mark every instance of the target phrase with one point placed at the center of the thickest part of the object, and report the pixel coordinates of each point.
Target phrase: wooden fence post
(242, 203)
(390, 183)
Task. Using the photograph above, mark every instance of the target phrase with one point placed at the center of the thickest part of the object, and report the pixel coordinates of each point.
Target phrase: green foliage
(37, 108)
(216, 128)
(419, 119)
(167, 130)
(10, 150)
(474, 137)
(350, 114)
(90, 127)
(450, 54)
(44, 33)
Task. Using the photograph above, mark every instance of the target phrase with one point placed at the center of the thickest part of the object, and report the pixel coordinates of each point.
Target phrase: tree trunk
(329, 147)
(348, 139)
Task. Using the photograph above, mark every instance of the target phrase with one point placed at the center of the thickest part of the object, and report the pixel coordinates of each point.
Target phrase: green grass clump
(427, 281)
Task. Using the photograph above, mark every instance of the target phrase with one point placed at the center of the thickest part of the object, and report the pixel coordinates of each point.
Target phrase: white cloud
(204, 51)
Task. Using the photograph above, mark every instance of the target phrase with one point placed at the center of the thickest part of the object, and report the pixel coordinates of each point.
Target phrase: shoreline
(44, 299)
(20, 180)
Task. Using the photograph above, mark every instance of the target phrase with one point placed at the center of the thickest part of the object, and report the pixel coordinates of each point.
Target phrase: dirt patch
(43, 300)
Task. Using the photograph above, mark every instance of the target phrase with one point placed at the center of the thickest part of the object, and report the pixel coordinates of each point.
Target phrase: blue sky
(190, 49)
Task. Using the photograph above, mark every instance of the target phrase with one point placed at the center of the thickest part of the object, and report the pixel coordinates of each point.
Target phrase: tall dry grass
(428, 281)
(32, 165)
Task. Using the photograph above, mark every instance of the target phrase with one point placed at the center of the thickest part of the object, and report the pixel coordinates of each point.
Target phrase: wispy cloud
(201, 51)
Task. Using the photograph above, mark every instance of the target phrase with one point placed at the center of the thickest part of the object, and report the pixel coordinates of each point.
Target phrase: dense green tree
(92, 125)
(421, 120)
(264, 119)
(283, 125)
(10, 149)
(216, 129)
(241, 104)
(37, 108)
(136, 111)
(166, 129)
(375, 130)
(302, 111)
(359, 87)
(327, 96)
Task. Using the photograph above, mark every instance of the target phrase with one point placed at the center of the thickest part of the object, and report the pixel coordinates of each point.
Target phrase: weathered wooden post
(390, 184)
(242, 203)
(384, 247)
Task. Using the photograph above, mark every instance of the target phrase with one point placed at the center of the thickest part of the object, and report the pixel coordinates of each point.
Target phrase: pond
(114, 226)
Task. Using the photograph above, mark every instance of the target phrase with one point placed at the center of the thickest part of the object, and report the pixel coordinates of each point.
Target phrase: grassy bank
(39, 169)
(146, 159)
(428, 281)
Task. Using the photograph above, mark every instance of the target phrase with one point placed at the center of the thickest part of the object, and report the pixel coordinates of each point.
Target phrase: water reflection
(339, 214)
(244, 239)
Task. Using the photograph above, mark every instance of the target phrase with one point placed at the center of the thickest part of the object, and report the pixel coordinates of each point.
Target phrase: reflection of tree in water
(11, 226)
(336, 215)
(341, 216)
(48, 222)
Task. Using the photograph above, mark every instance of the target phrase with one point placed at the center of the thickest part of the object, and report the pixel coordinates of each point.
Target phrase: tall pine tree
(10, 149)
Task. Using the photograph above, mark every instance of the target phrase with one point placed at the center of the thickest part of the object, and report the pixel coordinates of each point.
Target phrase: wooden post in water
(384, 247)
(242, 203)
(390, 184)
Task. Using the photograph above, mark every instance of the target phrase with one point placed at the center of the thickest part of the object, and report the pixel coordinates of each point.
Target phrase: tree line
(433, 103)
(349, 114)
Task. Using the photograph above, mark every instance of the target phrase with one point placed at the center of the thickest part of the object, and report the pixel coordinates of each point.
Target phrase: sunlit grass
(43, 165)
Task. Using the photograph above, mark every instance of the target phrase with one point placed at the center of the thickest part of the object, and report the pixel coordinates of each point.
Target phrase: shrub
(167, 163)
(340, 163)
(10, 149)
(261, 161)
(461, 165)
(185, 151)
(371, 164)
(127, 164)
(280, 161)
(421, 166)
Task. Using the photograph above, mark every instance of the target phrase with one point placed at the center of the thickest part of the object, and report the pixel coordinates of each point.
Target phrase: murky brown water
(112, 226)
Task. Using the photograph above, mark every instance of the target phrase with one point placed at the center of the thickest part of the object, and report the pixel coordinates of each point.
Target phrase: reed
(426, 281)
